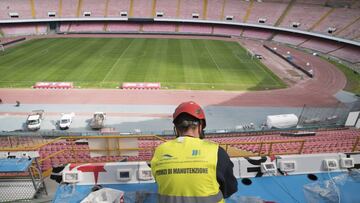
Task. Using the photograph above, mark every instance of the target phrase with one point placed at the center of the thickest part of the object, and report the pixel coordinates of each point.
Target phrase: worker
(57, 173)
(188, 168)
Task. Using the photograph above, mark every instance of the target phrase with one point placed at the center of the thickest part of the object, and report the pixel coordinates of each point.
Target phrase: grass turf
(107, 62)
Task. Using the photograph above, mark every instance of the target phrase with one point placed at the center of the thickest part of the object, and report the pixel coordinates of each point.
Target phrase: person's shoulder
(161, 148)
(164, 144)
(209, 142)
(222, 153)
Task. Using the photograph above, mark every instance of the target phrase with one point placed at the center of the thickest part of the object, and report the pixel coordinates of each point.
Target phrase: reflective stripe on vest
(185, 171)
(175, 199)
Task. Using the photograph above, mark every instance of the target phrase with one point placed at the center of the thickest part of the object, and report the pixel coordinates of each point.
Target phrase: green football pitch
(107, 62)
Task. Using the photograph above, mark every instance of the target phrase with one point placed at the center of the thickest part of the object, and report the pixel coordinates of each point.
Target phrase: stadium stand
(292, 39)
(167, 8)
(17, 141)
(349, 53)
(95, 7)
(342, 17)
(356, 4)
(316, 16)
(232, 8)
(41, 29)
(272, 14)
(24, 29)
(297, 15)
(318, 2)
(338, 19)
(69, 9)
(115, 7)
(215, 10)
(65, 151)
(321, 45)
(257, 33)
(324, 141)
(64, 27)
(44, 7)
(194, 28)
(123, 27)
(21, 7)
(159, 27)
(80, 153)
(87, 27)
(55, 152)
(141, 9)
(190, 7)
(288, 7)
(339, 3)
(351, 31)
(226, 30)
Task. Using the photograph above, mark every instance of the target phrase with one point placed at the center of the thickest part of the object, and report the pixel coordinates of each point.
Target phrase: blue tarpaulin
(15, 165)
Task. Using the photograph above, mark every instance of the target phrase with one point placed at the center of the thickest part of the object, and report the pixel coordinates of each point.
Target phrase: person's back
(189, 169)
(191, 163)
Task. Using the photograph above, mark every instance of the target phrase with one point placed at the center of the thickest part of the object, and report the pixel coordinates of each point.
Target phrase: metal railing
(74, 151)
(262, 146)
(357, 142)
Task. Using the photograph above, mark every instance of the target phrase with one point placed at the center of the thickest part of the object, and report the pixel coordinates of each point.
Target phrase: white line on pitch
(217, 66)
(117, 61)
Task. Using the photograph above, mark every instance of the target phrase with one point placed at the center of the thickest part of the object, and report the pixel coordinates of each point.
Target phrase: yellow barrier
(71, 140)
(29, 148)
(108, 148)
(270, 143)
(356, 144)
(52, 155)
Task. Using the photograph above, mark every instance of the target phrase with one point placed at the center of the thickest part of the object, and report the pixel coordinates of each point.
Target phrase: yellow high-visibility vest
(185, 171)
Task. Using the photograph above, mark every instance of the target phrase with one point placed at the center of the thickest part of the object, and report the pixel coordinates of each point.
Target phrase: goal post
(250, 53)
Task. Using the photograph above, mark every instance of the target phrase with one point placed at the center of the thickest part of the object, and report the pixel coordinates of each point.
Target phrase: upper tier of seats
(339, 17)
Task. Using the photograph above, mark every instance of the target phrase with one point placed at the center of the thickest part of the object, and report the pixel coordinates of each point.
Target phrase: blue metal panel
(270, 188)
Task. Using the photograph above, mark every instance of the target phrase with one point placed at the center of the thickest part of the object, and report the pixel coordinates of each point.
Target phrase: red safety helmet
(192, 109)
